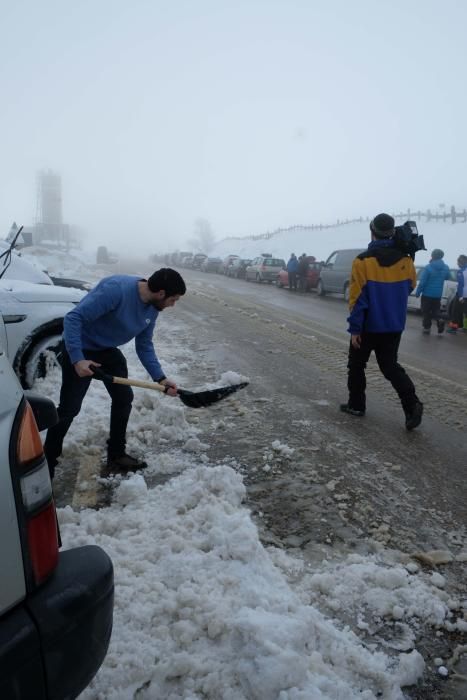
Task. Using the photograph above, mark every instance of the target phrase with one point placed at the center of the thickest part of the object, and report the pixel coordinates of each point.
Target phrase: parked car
(238, 267)
(449, 292)
(227, 262)
(56, 608)
(31, 316)
(211, 265)
(197, 261)
(313, 274)
(334, 275)
(264, 268)
(186, 260)
(105, 257)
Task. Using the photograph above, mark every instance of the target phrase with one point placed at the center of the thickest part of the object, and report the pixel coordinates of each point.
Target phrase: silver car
(56, 608)
(264, 268)
(335, 272)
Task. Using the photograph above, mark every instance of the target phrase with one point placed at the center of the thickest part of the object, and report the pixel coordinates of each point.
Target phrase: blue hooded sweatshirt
(432, 279)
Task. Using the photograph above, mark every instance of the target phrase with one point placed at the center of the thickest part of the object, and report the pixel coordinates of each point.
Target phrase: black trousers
(385, 347)
(293, 280)
(74, 390)
(431, 311)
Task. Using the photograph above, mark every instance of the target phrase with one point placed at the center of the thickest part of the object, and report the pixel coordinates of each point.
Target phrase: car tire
(347, 293)
(40, 359)
(321, 292)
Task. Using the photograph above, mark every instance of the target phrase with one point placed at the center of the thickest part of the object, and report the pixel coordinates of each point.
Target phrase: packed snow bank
(202, 611)
(449, 237)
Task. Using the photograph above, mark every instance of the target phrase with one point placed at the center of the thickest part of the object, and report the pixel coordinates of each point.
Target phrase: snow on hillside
(452, 238)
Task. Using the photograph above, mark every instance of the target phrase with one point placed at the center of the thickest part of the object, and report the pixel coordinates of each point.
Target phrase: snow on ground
(452, 238)
(56, 262)
(202, 609)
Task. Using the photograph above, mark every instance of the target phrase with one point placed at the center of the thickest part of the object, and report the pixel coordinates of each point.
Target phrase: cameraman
(381, 281)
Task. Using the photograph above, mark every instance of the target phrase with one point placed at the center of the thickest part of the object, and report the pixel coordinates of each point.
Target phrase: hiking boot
(426, 331)
(345, 408)
(413, 418)
(124, 463)
(440, 327)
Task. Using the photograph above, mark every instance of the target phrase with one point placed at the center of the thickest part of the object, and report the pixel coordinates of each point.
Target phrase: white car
(449, 291)
(56, 608)
(31, 324)
(20, 269)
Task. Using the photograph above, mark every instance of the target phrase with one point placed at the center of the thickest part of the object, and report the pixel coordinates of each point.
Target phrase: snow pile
(201, 610)
(75, 263)
(437, 234)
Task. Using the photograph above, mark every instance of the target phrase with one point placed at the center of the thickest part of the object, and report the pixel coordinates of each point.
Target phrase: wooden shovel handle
(139, 382)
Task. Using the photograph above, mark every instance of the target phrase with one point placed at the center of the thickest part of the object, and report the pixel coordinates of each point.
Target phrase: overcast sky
(253, 114)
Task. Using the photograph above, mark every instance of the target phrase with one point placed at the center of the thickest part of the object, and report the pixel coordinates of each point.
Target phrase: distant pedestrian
(381, 281)
(292, 270)
(430, 288)
(302, 272)
(459, 309)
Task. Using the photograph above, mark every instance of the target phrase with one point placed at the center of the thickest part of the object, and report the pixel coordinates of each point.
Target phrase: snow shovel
(193, 399)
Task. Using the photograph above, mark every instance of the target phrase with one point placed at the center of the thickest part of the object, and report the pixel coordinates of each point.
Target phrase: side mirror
(43, 408)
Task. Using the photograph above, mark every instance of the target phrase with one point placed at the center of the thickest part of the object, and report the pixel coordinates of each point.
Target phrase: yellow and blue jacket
(381, 281)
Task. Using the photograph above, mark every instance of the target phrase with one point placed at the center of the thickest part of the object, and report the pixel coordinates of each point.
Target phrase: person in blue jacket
(292, 269)
(430, 288)
(381, 280)
(118, 309)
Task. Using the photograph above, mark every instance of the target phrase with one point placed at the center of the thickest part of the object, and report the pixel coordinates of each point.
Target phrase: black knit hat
(382, 226)
(168, 280)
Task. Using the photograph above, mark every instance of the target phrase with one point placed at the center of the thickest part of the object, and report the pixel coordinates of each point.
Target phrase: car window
(273, 262)
(332, 259)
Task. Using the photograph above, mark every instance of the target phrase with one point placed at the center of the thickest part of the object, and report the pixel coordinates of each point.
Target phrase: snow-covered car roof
(22, 269)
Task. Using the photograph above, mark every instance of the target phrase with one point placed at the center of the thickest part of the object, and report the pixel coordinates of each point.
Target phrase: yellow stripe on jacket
(378, 295)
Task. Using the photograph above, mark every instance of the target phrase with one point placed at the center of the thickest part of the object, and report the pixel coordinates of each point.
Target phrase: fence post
(453, 214)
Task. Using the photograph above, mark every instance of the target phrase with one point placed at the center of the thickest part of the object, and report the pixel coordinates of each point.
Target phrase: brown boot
(124, 463)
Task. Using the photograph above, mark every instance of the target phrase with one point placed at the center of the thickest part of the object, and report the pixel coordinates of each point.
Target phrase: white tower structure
(49, 223)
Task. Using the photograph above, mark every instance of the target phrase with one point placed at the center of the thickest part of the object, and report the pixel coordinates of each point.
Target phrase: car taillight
(37, 500)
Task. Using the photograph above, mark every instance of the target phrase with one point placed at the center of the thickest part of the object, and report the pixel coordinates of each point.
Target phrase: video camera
(407, 238)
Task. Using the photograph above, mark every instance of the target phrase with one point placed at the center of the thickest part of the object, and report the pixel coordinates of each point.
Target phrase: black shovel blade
(201, 399)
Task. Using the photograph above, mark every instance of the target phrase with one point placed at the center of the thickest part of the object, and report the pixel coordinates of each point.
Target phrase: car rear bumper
(52, 645)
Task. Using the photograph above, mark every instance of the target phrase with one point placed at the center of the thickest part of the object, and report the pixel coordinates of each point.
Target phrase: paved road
(444, 356)
(352, 485)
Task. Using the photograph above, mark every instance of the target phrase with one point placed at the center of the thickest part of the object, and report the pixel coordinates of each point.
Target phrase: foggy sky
(253, 114)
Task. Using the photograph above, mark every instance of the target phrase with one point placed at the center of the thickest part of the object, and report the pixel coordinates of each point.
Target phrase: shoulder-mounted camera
(407, 238)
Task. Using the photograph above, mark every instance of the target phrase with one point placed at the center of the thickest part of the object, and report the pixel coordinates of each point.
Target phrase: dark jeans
(302, 282)
(431, 311)
(74, 390)
(457, 311)
(293, 280)
(385, 346)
